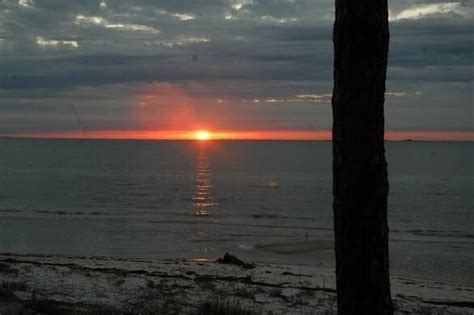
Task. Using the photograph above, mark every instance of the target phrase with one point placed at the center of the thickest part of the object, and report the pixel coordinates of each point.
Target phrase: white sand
(150, 286)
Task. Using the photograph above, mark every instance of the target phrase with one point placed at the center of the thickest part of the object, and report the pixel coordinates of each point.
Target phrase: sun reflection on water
(203, 199)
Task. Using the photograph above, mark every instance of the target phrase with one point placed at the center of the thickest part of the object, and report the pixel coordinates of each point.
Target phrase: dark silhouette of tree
(360, 184)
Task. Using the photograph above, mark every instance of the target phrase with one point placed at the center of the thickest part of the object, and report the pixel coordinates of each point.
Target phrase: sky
(251, 69)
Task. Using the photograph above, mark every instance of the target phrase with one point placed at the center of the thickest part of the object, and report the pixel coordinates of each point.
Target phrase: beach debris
(233, 260)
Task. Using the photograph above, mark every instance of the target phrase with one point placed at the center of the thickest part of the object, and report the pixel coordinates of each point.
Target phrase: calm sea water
(199, 200)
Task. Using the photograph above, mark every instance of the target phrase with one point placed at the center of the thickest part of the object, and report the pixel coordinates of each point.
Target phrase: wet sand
(298, 247)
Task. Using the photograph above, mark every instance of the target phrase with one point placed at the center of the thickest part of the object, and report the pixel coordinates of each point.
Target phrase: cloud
(403, 93)
(399, 94)
(183, 16)
(313, 96)
(179, 16)
(298, 98)
(25, 3)
(58, 53)
(240, 4)
(269, 18)
(274, 100)
(102, 22)
(426, 10)
(43, 42)
(180, 41)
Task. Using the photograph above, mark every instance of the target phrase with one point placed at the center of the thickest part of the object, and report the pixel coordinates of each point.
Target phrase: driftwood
(233, 260)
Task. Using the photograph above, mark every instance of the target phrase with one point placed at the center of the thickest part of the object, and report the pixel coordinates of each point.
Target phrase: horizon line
(263, 135)
(221, 140)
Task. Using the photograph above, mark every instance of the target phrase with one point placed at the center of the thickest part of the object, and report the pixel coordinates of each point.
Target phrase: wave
(10, 210)
(437, 233)
(278, 216)
(70, 213)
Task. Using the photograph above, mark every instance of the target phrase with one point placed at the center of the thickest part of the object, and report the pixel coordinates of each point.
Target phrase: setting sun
(202, 135)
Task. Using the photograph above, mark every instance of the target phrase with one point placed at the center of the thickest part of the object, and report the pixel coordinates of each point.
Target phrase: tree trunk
(360, 184)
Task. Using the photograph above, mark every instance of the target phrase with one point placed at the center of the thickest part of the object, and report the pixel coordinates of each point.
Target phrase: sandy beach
(35, 284)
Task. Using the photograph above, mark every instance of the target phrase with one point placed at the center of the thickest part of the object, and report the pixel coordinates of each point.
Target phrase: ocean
(198, 200)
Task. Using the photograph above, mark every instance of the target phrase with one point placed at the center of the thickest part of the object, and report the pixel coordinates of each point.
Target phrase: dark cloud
(98, 55)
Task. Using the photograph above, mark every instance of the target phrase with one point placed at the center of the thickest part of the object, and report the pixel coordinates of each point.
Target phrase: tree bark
(360, 184)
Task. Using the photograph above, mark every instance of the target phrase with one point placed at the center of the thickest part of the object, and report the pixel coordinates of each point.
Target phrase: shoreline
(119, 285)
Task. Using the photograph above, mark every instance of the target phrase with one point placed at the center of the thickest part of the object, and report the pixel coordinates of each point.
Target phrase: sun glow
(202, 135)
